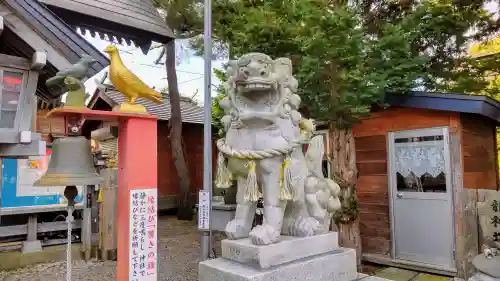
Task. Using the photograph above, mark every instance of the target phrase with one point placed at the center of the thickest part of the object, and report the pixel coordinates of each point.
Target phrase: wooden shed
(420, 165)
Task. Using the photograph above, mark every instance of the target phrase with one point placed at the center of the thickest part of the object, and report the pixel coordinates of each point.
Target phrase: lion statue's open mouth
(255, 81)
(256, 86)
(257, 96)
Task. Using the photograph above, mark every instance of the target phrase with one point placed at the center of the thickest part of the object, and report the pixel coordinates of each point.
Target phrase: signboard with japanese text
(143, 259)
(489, 216)
(204, 210)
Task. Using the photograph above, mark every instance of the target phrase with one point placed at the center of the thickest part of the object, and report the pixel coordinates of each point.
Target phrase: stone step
(337, 265)
(288, 250)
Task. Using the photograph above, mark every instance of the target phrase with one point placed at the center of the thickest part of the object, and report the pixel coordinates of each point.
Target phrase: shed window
(10, 93)
(420, 164)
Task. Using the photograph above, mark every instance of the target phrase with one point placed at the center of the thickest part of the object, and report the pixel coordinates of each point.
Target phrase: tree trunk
(343, 164)
(185, 206)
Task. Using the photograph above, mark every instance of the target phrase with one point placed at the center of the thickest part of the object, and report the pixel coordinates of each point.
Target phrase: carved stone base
(338, 265)
(288, 250)
(316, 258)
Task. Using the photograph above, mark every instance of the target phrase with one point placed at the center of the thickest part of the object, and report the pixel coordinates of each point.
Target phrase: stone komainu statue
(262, 150)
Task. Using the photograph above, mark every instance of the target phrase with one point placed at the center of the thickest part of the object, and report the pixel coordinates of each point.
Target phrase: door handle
(399, 195)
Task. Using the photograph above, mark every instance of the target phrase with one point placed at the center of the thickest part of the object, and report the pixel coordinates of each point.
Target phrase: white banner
(204, 210)
(143, 255)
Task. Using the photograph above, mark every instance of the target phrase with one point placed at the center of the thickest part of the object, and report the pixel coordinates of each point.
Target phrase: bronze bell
(71, 164)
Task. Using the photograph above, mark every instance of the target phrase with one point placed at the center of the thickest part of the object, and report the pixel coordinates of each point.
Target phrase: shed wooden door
(421, 197)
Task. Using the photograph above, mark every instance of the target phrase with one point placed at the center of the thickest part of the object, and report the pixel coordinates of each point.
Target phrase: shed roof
(481, 105)
(190, 111)
(131, 20)
(55, 32)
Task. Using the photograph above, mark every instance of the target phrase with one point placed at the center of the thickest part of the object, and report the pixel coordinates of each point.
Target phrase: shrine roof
(125, 20)
(474, 104)
(45, 28)
(190, 111)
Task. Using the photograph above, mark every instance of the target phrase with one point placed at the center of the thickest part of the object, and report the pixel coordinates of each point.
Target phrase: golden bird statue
(129, 84)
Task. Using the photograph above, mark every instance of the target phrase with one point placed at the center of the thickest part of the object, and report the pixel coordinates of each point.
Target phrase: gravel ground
(179, 256)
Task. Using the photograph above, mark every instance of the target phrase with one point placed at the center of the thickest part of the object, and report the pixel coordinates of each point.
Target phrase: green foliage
(485, 55)
(348, 58)
(441, 30)
(183, 17)
(339, 84)
(349, 213)
(348, 55)
(488, 47)
(218, 112)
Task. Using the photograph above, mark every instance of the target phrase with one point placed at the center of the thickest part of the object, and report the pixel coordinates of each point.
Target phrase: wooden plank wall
(371, 157)
(479, 152)
(373, 193)
(55, 125)
(192, 134)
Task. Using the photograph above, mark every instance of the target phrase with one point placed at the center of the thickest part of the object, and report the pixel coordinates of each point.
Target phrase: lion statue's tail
(321, 193)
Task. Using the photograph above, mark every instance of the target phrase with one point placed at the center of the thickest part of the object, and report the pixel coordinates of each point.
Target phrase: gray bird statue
(78, 70)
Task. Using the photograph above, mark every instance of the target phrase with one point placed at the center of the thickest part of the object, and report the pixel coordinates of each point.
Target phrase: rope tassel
(287, 191)
(252, 188)
(223, 176)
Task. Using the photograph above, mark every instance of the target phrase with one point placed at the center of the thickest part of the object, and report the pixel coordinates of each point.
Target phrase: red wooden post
(137, 170)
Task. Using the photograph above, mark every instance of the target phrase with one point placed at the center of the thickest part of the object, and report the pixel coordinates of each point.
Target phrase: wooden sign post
(137, 194)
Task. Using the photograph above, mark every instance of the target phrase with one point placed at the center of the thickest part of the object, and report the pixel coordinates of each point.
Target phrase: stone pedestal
(222, 214)
(288, 250)
(316, 258)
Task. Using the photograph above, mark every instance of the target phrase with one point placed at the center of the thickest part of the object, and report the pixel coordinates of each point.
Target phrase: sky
(492, 7)
(189, 69)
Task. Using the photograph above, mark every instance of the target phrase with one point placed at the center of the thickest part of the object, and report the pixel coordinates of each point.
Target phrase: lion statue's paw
(264, 235)
(237, 229)
(305, 226)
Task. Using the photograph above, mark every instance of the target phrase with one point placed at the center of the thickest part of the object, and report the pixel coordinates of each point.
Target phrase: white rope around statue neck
(69, 221)
(255, 154)
(252, 194)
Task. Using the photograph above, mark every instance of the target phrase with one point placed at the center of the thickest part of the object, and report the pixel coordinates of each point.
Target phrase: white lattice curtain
(420, 158)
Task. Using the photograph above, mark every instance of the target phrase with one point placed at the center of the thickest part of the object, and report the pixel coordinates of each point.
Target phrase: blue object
(9, 198)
